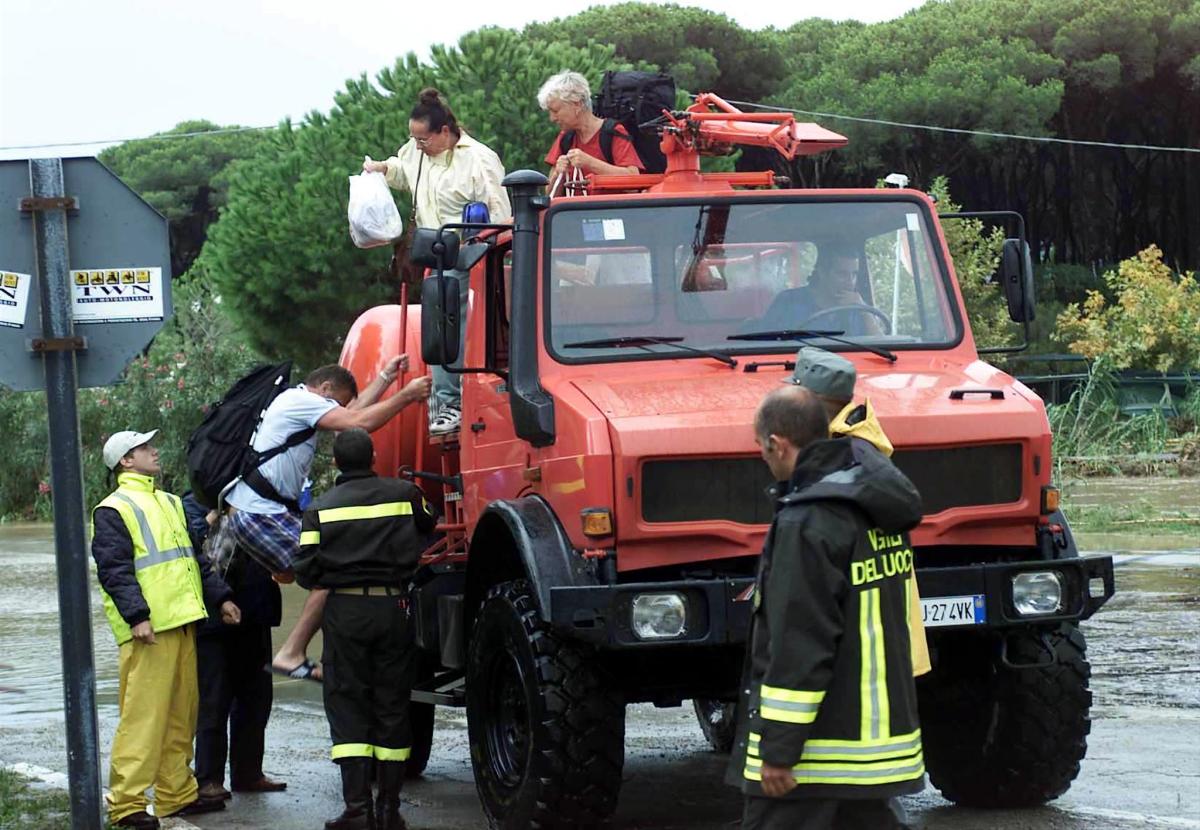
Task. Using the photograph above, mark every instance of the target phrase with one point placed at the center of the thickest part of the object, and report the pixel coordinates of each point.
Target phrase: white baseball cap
(120, 443)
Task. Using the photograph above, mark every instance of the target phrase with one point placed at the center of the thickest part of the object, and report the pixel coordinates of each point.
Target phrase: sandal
(305, 671)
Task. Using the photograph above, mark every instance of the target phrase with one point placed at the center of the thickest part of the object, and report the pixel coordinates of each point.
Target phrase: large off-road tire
(420, 722)
(718, 722)
(1002, 737)
(547, 732)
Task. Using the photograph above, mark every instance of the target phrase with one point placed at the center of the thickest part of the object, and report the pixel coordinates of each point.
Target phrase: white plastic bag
(374, 219)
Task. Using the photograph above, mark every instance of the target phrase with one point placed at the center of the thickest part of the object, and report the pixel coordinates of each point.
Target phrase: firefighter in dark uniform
(830, 735)
(362, 540)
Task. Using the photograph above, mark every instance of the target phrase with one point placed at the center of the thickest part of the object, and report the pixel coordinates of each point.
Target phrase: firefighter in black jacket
(361, 540)
(832, 734)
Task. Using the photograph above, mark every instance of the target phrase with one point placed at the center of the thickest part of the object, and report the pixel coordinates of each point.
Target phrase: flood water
(30, 651)
(1144, 647)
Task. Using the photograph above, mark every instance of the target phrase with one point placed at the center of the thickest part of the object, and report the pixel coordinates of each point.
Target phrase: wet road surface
(1142, 769)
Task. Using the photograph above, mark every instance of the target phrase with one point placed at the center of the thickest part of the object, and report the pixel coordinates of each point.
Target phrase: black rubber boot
(387, 806)
(356, 792)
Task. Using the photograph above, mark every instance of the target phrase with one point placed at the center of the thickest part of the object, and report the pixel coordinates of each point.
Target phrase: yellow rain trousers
(153, 745)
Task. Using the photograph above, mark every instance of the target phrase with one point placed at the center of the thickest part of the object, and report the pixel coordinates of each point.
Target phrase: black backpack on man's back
(631, 99)
(221, 448)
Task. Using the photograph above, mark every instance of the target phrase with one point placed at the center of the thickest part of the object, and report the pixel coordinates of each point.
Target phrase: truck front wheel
(547, 732)
(718, 722)
(996, 736)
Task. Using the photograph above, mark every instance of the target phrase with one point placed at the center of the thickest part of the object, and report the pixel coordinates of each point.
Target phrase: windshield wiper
(806, 334)
(643, 341)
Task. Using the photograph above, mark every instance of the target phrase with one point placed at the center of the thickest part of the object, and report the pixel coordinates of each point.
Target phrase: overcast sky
(89, 70)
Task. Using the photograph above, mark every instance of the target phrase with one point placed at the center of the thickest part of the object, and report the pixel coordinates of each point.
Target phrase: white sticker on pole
(117, 295)
(14, 298)
(913, 220)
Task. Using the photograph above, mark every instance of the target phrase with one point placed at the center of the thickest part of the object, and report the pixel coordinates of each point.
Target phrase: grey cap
(824, 373)
(120, 443)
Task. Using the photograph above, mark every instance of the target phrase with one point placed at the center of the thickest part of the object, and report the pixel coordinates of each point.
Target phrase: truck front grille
(734, 489)
(707, 489)
(963, 476)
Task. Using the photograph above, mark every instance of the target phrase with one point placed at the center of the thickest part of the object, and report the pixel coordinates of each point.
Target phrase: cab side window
(499, 288)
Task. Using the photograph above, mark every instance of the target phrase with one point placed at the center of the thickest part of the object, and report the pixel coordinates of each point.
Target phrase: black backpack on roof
(631, 99)
(221, 448)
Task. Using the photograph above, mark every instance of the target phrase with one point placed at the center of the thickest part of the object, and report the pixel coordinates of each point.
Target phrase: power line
(834, 115)
(959, 131)
(225, 131)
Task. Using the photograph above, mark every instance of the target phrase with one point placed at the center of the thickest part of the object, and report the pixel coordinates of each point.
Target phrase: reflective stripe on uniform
(789, 705)
(827, 749)
(310, 537)
(153, 556)
(881, 687)
(873, 677)
(369, 511)
(384, 754)
(352, 751)
(865, 774)
(157, 557)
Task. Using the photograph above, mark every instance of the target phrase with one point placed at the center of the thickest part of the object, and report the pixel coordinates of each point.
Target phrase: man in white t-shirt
(266, 517)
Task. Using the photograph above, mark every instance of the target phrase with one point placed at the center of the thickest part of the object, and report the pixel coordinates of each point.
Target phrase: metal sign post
(94, 320)
(58, 345)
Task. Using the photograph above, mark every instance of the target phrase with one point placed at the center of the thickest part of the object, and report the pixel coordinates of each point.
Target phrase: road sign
(85, 283)
(119, 253)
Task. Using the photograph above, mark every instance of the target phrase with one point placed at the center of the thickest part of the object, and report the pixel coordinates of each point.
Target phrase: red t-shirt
(624, 154)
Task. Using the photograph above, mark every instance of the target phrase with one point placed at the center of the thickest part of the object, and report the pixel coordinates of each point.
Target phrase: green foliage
(1153, 323)
(190, 365)
(1136, 516)
(1126, 71)
(976, 256)
(25, 808)
(281, 256)
(182, 178)
(1091, 435)
(704, 51)
(1065, 283)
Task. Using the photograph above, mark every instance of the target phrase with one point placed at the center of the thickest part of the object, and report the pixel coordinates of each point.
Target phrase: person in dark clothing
(362, 541)
(829, 734)
(235, 693)
(154, 589)
(833, 284)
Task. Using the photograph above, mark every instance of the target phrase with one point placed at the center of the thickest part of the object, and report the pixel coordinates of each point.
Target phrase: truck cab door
(493, 457)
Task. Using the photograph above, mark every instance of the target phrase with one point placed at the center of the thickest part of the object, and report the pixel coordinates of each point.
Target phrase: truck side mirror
(437, 249)
(1016, 276)
(440, 322)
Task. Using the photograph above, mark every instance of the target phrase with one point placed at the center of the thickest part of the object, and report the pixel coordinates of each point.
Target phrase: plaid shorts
(271, 538)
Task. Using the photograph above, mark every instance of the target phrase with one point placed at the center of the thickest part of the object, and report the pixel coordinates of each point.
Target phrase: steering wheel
(858, 308)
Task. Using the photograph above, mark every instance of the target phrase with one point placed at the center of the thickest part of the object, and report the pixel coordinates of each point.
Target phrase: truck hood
(712, 413)
(687, 414)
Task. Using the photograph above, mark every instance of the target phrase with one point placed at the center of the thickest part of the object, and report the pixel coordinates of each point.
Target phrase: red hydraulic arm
(712, 126)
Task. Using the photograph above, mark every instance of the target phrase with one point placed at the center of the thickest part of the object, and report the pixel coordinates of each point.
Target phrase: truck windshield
(713, 275)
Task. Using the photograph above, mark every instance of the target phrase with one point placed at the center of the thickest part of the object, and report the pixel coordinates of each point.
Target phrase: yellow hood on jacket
(859, 421)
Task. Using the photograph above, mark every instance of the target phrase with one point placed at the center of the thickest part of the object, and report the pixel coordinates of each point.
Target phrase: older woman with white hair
(586, 141)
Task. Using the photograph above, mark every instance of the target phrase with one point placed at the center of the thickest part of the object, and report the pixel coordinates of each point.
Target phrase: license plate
(944, 611)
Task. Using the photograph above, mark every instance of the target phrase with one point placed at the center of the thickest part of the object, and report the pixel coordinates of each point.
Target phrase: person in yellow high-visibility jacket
(154, 588)
(831, 378)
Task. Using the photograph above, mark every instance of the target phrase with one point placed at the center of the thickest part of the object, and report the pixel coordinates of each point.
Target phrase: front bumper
(719, 610)
(1087, 583)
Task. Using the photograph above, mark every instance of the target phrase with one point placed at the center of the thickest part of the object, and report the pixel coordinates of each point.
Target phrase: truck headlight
(659, 616)
(1037, 592)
